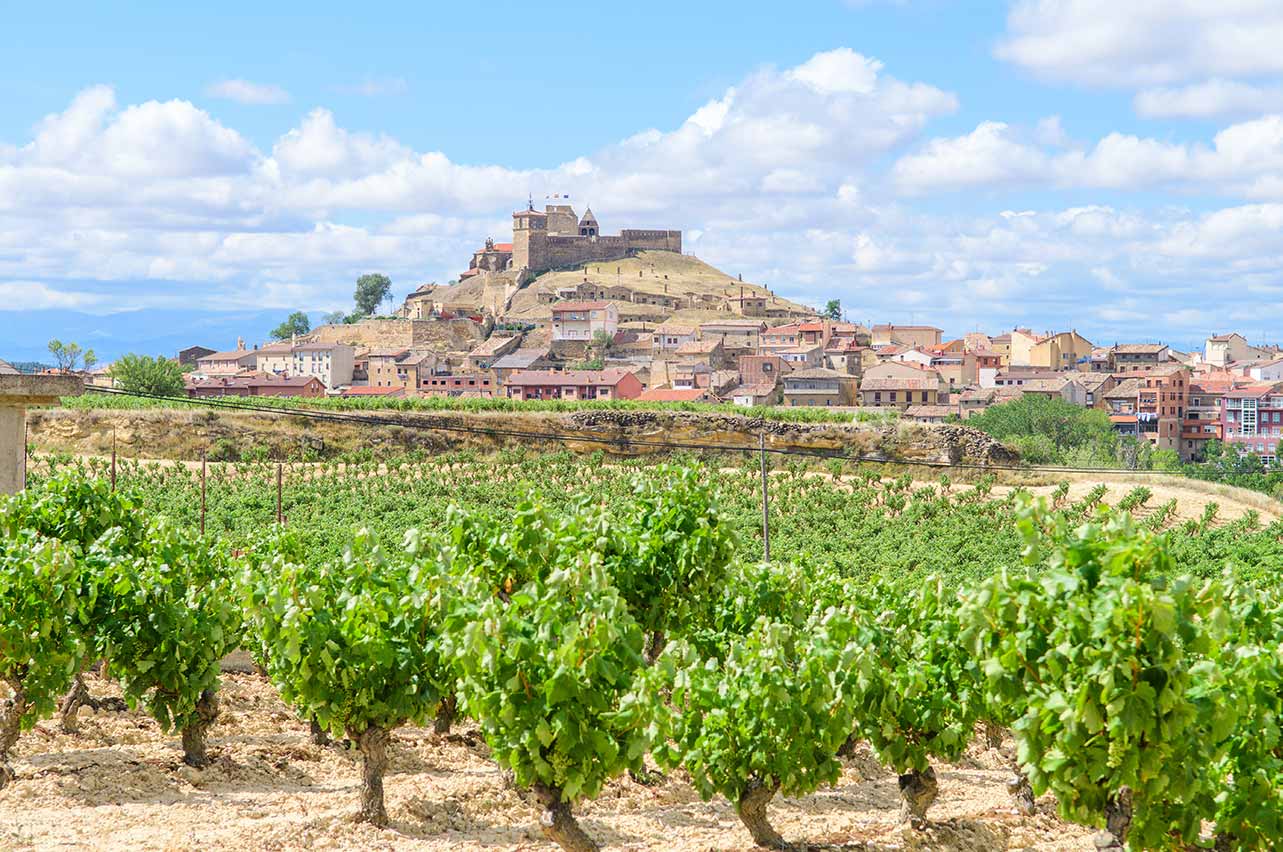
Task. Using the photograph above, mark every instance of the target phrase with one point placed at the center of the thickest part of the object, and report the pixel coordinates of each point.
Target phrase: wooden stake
(766, 512)
(280, 518)
(202, 492)
(113, 458)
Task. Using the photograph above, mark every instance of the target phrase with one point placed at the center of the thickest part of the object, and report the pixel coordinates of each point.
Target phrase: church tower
(529, 239)
(588, 225)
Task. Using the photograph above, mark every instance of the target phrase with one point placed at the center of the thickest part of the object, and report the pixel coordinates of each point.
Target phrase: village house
(522, 359)
(484, 354)
(255, 385)
(330, 362)
(781, 336)
(1061, 351)
(958, 368)
(972, 401)
(1064, 387)
(275, 358)
(929, 413)
(845, 355)
(746, 304)
(803, 357)
(1125, 357)
(763, 393)
(1203, 416)
(670, 335)
(1252, 420)
(192, 354)
(1150, 404)
(368, 392)
(381, 368)
(584, 320)
(906, 335)
(895, 385)
(1096, 385)
(476, 385)
(227, 363)
(677, 395)
(819, 386)
(708, 352)
(573, 384)
(760, 369)
(738, 337)
(1220, 350)
(1267, 370)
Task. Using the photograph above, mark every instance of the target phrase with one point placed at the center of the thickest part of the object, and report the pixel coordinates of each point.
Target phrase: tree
(371, 290)
(917, 693)
(173, 617)
(335, 318)
(353, 644)
(39, 647)
(767, 717)
(553, 675)
(69, 355)
(1046, 429)
(145, 374)
(295, 323)
(832, 310)
(1110, 657)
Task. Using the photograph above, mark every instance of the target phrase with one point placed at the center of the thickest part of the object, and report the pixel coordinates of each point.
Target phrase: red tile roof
(611, 376)
(673, 394)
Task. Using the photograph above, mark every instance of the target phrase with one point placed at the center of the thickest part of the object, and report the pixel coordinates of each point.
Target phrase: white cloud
(245, 92)
(37, 296)
(841, 70)
(1209, 99)
(1244, 159)
(1144, 42)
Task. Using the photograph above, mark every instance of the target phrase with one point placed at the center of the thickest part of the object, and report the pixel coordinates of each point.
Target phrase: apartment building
(1252, 420)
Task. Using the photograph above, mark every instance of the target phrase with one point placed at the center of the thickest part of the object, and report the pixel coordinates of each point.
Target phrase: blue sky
(172, 174)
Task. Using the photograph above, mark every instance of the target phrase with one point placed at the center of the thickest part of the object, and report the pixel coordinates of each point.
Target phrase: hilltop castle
(555, 238)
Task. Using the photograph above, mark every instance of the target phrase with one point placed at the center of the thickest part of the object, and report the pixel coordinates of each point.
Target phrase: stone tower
(588, 225)
(562, 220)
(529, 238)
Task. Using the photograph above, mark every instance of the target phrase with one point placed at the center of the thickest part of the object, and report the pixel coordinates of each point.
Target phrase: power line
(623, 443)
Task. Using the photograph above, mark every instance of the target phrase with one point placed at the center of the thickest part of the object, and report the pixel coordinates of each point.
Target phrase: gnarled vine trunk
(1118, 821)
(559, 824)
(993, 735)
(751, 809)
(12, 710)
(1021, 791)
(654, 647)
(319, 735)
(918, 790)
(194, 731)
(847, 749)
(373, 743)
(446, 712)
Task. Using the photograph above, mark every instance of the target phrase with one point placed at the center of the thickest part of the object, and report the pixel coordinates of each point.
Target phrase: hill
(660, 285)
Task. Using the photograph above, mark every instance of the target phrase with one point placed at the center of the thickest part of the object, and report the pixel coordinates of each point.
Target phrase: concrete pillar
(17, 392)
(13, 450)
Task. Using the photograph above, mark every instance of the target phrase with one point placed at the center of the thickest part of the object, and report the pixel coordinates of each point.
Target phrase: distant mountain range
(27, 334)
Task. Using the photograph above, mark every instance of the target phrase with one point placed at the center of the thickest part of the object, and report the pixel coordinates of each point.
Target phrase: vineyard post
(766, 512)
(113, 458)
(280, 519)
(202, 492)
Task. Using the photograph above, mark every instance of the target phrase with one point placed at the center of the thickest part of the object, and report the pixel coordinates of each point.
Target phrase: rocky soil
(120, 784)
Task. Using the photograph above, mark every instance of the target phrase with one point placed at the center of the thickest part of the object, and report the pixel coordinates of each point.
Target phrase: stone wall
(401, 333)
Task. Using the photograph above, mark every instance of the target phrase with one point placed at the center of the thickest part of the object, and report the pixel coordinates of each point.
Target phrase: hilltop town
(564, 312)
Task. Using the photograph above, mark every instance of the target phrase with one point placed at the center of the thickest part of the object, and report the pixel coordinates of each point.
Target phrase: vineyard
(608, 631)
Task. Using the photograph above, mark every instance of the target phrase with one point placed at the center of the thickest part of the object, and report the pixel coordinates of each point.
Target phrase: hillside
(655, 273)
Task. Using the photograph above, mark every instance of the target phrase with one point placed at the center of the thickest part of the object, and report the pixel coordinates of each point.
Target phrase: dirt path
(120, 784)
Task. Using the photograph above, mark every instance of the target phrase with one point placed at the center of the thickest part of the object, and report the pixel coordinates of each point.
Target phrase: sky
(178, 174)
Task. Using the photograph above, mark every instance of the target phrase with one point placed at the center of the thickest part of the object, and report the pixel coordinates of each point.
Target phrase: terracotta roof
(1126, 388)
(674, 328)
(7, 369)
(1122, 418)
(738, 324)
(611, 376)
(673, 394)
(1253, 392)
(528, 213)
(490, 345)
(1225, 338)
(253, 380)
(780, 330)
(503, 247)
(892, 327)
(562, 307)
(1139, 348)
(698, 347)
(229, 355)
(519, 359)
(759, 389)
(318, 347)
(929, 411)
(386, 353)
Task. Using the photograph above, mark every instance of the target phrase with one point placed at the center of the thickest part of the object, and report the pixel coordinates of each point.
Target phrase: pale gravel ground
(120, 784)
